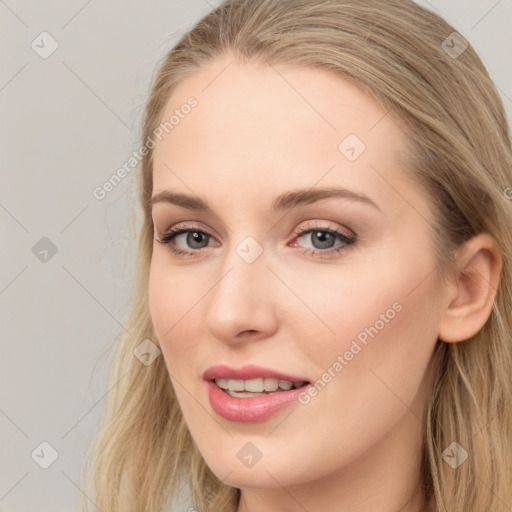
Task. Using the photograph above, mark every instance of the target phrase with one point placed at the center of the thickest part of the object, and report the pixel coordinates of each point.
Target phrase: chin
(260, 476)
(249, 480)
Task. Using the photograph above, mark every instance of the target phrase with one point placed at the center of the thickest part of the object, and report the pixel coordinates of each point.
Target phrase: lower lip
(249, 410)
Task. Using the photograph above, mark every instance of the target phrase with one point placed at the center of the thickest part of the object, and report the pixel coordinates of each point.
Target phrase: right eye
(193, 236)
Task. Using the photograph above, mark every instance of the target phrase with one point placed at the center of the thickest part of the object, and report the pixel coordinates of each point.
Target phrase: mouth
(251, 393)
(247, 400)
(250, 388)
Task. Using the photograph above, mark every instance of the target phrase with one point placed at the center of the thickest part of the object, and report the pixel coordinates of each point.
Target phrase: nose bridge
(241, 299)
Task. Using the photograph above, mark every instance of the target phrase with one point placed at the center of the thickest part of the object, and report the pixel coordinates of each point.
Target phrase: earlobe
(474, 290)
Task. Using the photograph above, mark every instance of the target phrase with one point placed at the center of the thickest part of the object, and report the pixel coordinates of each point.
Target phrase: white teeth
(235, 385)
(256, 386)
(270, 384)
(285, 384)
(222, 383)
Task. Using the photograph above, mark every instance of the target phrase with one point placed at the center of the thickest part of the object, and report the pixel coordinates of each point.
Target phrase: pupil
(325, 238)
(194, 237)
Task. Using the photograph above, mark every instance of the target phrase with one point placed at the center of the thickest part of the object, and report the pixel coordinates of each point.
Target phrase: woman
(325, 267)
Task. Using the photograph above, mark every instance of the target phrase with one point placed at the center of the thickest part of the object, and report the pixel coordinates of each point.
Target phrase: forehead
(263, 129)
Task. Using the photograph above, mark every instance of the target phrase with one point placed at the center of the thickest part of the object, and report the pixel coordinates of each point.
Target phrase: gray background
(68, 122)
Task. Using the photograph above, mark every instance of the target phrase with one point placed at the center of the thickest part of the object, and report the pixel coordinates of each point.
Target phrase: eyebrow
(285, 201)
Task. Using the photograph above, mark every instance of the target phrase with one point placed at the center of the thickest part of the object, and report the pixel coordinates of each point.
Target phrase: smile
(250, 406)
(255, 387)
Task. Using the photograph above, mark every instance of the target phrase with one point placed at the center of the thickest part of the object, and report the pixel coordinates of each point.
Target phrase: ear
(471, 294)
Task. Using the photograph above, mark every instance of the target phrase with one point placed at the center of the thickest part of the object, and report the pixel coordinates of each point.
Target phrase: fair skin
(253, 136)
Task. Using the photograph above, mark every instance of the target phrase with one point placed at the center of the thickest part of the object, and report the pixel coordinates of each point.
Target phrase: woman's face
(266, 281)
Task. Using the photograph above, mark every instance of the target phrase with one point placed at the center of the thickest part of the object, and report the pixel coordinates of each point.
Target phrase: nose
(241, 303)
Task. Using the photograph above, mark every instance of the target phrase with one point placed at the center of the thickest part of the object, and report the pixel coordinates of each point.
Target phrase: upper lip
(247, 372)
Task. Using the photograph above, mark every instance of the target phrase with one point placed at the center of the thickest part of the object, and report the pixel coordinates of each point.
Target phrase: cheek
(380, 377)
(380, 321)
(172, 302)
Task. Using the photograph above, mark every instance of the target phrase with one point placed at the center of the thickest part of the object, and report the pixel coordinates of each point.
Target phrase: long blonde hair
(460, 152)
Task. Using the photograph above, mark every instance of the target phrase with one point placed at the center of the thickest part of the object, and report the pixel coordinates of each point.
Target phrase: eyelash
(168, 239)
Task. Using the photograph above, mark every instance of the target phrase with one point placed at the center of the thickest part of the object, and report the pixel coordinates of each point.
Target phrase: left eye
(325, 237)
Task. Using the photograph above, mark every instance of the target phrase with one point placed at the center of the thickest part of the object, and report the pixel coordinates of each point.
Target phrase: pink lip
(247, 372)
(248, 410)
